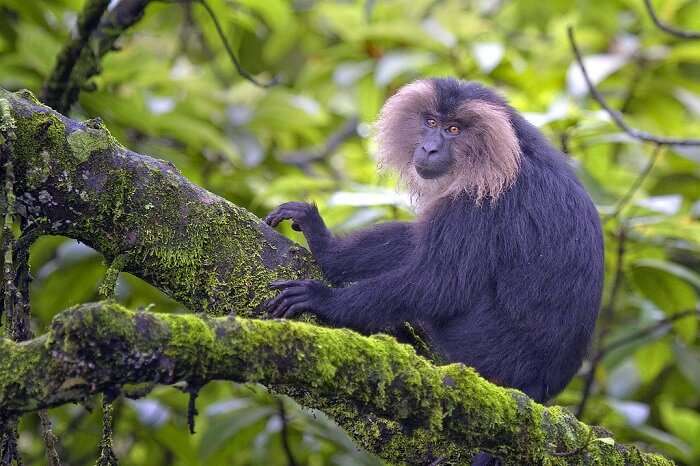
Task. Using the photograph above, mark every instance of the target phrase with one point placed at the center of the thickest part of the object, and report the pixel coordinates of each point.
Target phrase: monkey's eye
(453, 129)
(430, 122)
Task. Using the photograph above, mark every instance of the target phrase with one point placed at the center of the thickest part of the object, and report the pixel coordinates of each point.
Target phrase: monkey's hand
(304, 217)
(299, 296)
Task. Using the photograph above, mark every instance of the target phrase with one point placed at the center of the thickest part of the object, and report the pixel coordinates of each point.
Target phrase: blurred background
(172, 92)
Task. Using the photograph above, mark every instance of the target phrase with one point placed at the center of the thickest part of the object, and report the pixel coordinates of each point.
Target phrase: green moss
(20, 360)
(185, 241)
(45, 148)
(190, 339)
(41, 149)
(7, 122)
(26, 94)
(84, 142)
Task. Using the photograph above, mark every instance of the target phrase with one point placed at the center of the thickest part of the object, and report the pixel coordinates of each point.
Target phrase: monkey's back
(530, 279)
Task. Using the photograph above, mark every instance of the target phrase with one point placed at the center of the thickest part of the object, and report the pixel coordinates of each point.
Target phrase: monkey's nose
(429, 149)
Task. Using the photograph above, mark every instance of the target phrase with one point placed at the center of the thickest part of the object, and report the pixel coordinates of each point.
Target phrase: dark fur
(510, 287)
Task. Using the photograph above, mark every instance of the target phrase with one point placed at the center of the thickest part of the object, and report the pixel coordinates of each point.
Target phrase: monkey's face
(447, 137)
(432, 157)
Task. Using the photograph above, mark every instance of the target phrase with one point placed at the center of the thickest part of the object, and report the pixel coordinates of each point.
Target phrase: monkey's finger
(294, 310)
(273, 219)
(278, 284)
(277, 215)
(287, 303)
(286, 293)
(282, 303)
(292, 209)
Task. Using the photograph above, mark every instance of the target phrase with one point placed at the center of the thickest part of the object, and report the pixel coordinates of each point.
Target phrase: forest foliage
(171, 91)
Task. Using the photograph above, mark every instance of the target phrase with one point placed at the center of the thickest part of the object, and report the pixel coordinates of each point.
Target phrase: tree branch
(615, 115)
(683, 34)
(304, 158)
(200, 249)
(440, 410)
(80, 59)
(59, 89)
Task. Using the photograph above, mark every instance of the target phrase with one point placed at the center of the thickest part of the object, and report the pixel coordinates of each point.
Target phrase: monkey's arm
(367, 306)
(359, 256)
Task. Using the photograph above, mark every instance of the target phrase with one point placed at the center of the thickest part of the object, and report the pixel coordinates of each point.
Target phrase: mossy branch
(440, 409)
(75, 179)
(96, 35)
(61, 90)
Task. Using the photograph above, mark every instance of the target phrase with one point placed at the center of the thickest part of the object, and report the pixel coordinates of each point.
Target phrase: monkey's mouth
(428, 173)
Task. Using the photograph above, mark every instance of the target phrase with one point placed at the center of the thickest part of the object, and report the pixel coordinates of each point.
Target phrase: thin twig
(603, 351)
(605, 318)
(588, 385)
(232, 56)
(9, 452)
(682, 33)
(304, 158)
(646, 331)
(285, 434)
(50, 439)
(615, 115)
(98, 31)
(608, 310)
(637, 182)
(15, 290)
(107, 456)
(107, 289)
(629, 95)
(193, 391)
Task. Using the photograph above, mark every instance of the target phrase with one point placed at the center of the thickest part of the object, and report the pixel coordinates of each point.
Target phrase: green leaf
(682, 422)
(671, 287)
(651, 359)
(664, 441)
(672, 268)
(688, 362)
(225, 427)
(178, 441)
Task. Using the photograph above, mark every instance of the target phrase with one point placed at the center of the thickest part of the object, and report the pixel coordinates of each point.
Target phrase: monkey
(502, 268)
